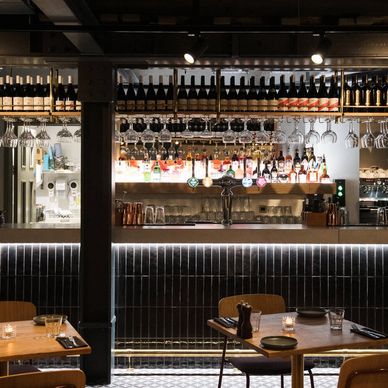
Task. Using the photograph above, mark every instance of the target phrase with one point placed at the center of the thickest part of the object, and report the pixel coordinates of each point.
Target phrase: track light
(318, 56)
(196, 51)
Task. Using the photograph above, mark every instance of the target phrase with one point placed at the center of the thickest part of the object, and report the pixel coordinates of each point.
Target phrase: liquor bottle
(323, 98)
(356, 91)
(266, 173)
(130, 98)
(232, 96)
(223, 96)
(325, 178)
(38, 101)
(18, 94)
(297, 165)
(212, 96)
(262, 98)
(372, 86)
(272, 100)
(282, 95)
(202, 96)
(230, 172)
(274, 172)
(312, 96)
(70, 95)
(8, 94)
(378, 93)
(347, 94)
(121, 96)
(60, 95)
(28, 97)
(1, 92)
(252, 103)
(363, 85)
(192, 103)
(312, 175)
(302, 175)
(288, 162)
(150, 96)
(333, 95)
(170, 95)
(304, 159)
(367, 89)
(182, 95)
(239, 172)
(46, 95)
(140, 96)
(293, 176)
(302, 96)
(156, 174)
(161, 96)
(242, 103)
(281, 162)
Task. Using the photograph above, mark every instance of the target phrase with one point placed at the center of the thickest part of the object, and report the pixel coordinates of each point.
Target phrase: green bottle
(156, 173)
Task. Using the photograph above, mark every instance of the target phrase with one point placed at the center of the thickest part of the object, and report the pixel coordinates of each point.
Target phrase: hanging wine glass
(147, 136)
(296, 136)
(9, 139)
(279, 136)
(26, 138)
(64, 135)
(262, 136)
(245, 136)
(187, 133)
(228, 136)
(385, 139)
(351, 140)
(368, 140)
(206, 134)
(329, 136)
(380, 139)
(312, 136)
(165, 135)
(78, 133)
(130, 135)
(42, 139)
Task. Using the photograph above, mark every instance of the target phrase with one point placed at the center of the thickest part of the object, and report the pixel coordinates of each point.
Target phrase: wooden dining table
(32, 342)
(313, 335)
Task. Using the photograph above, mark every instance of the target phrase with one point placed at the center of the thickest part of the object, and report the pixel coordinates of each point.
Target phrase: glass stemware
(26, 138)
(147, 136)
(130, 135)
(262, 136)
(368, 140)
(9, 138)
(381, 139)
(165, 135)
(279, 136)
(351, 140)
(42, 139)
(228, 136)
(64, 135)
(312, 136)
(296, 136)
(187, 133)
(329, 136)
(245, 136)
(206, 134)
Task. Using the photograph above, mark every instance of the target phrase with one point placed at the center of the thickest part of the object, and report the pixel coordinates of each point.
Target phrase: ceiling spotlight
(318, 56)
(196, 51)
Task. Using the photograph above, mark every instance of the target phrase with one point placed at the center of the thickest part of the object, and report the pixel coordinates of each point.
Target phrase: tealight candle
(288, 323)
(8, 331)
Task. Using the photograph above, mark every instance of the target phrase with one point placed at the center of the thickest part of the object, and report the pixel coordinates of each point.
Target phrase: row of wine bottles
(265, 97)
(30, 96)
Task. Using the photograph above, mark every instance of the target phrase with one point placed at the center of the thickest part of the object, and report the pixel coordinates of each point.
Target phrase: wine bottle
(151, 96)
(78, 104)
(302, 175)
(121, 96)
(202, 96)
(347, 94)
(323, 97)
(302, 96)
(384, 99)
(212, 96)
(363, 87)
(182, 95)
(372, 86)
(192, 96)
(282, 96)
(232, 96)
(161, 96)
(281, 162)
(28, 95)
(333, 95)
(130, 97)
(356, 91)
(252, 103)
(140, 96)
(296, 163)
(293, 101)
(1, 92)
(242, 103)
(60, 96)
(18, 95)
(223, 96)
(266, 173)
(274, 172)
(377, 93)
(170, 95)
(38, 95)
(46, 95)
(272, 101)
(70, 95)
(312, 96)
(8, 94)
(368, 91)
(262, 98)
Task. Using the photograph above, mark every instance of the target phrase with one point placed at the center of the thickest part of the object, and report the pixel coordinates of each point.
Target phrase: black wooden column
(96, 85)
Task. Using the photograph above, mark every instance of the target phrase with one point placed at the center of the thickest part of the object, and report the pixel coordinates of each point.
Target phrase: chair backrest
(364, 372)
(63, 378)
(267, 303)
(16, 311)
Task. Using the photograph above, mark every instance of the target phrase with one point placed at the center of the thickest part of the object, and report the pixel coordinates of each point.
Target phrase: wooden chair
(258, 366)
(62, 378)
(18, 311)
(364, 372)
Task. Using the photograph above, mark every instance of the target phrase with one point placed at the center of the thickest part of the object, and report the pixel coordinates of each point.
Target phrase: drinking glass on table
(159, 215)
(53, 325)
(255, 320)
(149, 215)
(336, 317)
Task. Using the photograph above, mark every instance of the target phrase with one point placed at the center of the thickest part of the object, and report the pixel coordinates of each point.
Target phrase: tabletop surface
(313, 335)
(31, 341)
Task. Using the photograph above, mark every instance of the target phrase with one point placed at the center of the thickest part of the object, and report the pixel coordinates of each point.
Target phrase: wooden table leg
(297, 370)
(222, 361)
(4, 368)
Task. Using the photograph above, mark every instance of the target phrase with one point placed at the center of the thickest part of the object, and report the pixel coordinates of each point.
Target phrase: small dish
(312, 312)
(278, 342)
(40, 319)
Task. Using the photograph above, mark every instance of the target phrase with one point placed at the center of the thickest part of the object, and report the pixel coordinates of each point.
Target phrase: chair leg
(222, 361)
(248, 382)
(311, 378)
(282, 381)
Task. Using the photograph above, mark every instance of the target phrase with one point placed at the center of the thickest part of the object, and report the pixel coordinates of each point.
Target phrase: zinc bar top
(203, 233)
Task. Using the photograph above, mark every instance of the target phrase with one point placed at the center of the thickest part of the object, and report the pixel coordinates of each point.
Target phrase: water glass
(8, 331)
(53, 325)
(255, 320)
(149, 215)
(336, 317)
(160, 217)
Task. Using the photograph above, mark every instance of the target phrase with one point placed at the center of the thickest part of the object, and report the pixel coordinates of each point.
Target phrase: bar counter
(203, 234)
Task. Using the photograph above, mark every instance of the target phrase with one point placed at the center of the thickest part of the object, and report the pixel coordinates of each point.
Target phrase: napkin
(68, 344)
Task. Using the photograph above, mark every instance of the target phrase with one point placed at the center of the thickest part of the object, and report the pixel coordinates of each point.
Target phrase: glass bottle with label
(333, 95)
(323, 97)
(161, 96)
(121, 96)
(266, 173)
(274, 172)
(312, 96)
(272, 100)
(182, 95)
(202, 96)
(46, 95)
(378, 94)
(70, 95)
(140, 96)
(28, 98)
(156, 173)
(130, 98)
(212, 96)
(242, 97)
(60, 95)
(151, 96)
(356, 91)
(192, 96)
(302, 96)
(282, 95)
(232, 96)
(18, 94)
(38, 95)
(262, 103)
(347, 94)
(170, 95)
(363, 88)
(252, 102)
(293, 100)
(8, 94)
(302, 175)
(223, 96)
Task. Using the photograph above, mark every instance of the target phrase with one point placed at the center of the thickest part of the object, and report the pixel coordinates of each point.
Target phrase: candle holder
(288, 323)
(8, 331)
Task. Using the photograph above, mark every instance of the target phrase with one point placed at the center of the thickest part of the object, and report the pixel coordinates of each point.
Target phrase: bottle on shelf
(252, 98)
(363, 86)
(212, 96)
(18, 95)
(262, 98)
(130, 103)
(156, 174)
(120, 96)
(384, 100)
(323, 97)
(70, 95)
(356, 91)
(302, 175)
(223, 96)
(170, 95)
(28, 95)
(367, 88)
(378, 93)
(150, 96)
(293, 99)
(312, 96)
(161, 98)
(140, 96)
(347, 94)
(47, 95)
(1, 92)
(282, 96)
(297, 162)
(274, 172)
(192, 101)
(38, 101)
(372, 86)
(272, 101)
(242, 97)
(59, 96)
(8, 94)
(281, 162)
(202, 96)
(302, 96)
(182, 96)
(333, 95)
(266, 173)
(232, 96)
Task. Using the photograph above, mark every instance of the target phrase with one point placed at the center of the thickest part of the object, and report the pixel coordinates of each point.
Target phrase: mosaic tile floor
(199, 378)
